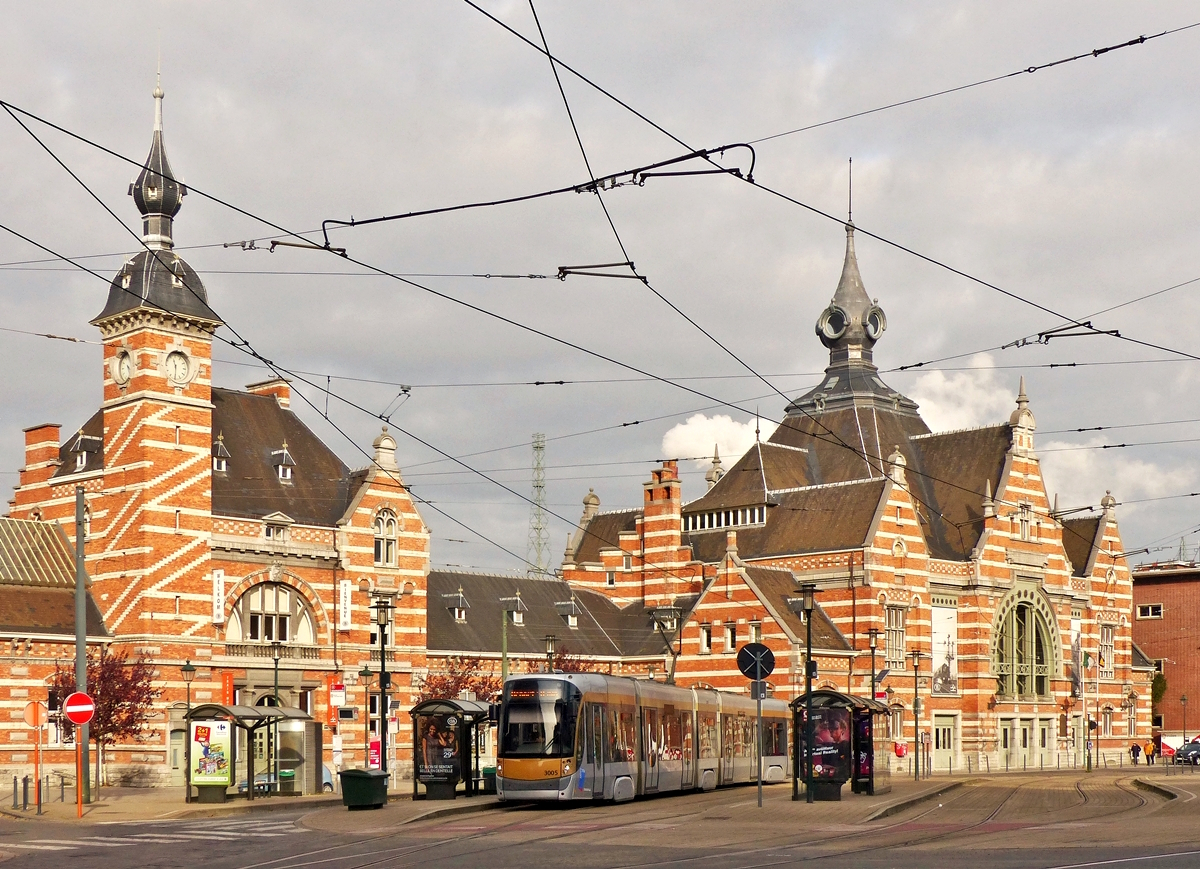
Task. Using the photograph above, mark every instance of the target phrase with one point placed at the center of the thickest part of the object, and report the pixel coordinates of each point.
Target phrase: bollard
(1022, 764)
(1006, 763)
(968, 764)
(988, 760)
(951, 764)
(1042, 762)
(25, 794)
(62, 788)
(15, 792)
(37, 796)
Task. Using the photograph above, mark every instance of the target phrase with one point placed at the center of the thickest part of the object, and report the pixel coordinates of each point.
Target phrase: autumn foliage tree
(566, 661)
(458, 674)
(123, 691)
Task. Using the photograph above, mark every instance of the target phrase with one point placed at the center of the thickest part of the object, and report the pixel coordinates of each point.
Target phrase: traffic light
(1091, 724)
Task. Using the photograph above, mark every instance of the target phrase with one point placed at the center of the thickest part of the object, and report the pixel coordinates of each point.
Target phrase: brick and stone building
(942, 544)
(1166, 599)
(218, 524)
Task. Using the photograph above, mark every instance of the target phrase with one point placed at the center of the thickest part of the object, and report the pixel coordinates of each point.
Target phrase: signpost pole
(759, 688)
(757, 662)
(81, 738)
(37, 763)
(78, 780)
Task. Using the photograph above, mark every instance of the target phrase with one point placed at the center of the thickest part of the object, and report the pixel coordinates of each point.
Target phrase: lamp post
(382, 607)
(550, 638)
(807, 593)
(365, 675)
(276, 653)
(189, 673)
(917, 654)
(873, 633)
(1183, 702)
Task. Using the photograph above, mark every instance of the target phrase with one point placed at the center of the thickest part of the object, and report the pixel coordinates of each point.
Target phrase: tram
(586, 736)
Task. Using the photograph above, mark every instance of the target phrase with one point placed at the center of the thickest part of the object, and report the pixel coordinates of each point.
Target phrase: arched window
(268, 613)
(1024, 652)
(385, 539)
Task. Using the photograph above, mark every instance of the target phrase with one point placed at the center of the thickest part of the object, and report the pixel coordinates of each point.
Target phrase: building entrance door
(943, 742)
(177, 759)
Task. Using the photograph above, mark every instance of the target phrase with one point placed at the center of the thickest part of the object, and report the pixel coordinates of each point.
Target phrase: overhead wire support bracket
(588, 271)
(1062, 332)
(340, 251)
(617, 179)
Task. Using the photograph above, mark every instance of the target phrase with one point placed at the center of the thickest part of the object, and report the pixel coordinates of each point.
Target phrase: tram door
(595, 750)
(688, 749)
(650, 742)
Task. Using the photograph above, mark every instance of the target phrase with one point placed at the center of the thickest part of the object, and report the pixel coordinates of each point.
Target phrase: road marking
(32, 847)
(1119, 860)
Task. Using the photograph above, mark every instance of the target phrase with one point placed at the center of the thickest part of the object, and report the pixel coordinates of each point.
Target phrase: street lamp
(382, 607)
(1183, 702)
(276, 653)
(917, 654)
(365, 674)
(189, 673)
(550, 638)
(807, 595)
(873, 633)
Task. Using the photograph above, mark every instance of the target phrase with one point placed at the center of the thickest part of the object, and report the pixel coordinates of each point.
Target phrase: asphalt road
(1042, 822)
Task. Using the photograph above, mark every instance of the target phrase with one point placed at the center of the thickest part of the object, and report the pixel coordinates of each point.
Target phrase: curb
(1161, 790)
(465, 809)
(899, 806)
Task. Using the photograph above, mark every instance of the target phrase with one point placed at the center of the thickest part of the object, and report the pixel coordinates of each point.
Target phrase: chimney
(277, 386)
(41, 453)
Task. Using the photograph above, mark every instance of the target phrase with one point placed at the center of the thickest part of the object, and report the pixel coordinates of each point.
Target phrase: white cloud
(964, 399)
(1081, 476)
(697, 436)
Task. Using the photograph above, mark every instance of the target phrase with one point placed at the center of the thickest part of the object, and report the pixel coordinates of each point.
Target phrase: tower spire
(850, 195)
(156, 192)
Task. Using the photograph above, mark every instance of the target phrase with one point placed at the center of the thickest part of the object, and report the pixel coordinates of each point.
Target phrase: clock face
(123, 369)
(177, 367)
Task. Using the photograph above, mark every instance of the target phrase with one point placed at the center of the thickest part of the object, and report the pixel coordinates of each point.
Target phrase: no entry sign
(79, 708)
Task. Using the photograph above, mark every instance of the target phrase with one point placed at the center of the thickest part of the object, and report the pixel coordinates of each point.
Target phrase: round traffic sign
(79, 708)
(35, 713)
(756, 661)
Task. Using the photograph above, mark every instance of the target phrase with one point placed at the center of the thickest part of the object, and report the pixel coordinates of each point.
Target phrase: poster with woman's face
(438, 757)
(831, 745)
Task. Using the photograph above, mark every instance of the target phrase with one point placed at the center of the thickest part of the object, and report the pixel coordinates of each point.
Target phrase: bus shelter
(446, 743)
(844, 747)
(219, 734)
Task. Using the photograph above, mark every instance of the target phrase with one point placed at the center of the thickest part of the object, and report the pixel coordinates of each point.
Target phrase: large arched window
(271, 612)
(385, 539)
(1024, 652)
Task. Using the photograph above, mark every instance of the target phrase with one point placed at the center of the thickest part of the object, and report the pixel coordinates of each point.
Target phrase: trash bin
(489, 779)
(363, 788)
(287, 782)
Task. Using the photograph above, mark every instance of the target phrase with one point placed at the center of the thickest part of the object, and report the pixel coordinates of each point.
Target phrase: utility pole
(85, 781)
(539, 535)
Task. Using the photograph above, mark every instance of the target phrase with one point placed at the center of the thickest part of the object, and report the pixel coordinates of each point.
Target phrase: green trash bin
(287, 782)
(489, 780)
(363, 788)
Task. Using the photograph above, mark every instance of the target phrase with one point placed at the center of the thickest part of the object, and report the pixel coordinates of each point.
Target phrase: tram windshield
(538, 719)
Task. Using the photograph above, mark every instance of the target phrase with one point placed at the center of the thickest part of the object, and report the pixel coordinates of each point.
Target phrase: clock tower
(155, 510)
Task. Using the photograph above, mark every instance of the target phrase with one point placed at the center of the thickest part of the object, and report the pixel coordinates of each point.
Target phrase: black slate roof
(254, 428)
(1079, 539)
(158, 280)
(604, 630)
(774, 586)
(602, 532)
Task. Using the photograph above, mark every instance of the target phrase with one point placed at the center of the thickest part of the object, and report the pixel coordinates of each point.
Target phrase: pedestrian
(1135, 751)
(1149, 749)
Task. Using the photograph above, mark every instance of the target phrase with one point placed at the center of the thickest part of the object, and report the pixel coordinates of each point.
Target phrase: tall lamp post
(365, 674)
(917, 654)
(807, 595)
(189, 673)
(873, 634)
(1183, 702)
(276, 653)
(382, 607)
(550, 638)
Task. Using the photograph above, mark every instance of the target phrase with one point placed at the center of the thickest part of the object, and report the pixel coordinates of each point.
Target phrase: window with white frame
(1024, 517)
(896, 722)
(385, 539)
(1106, 722)
(1149, 611)
(730, 637)
(277, 533)
(627, 563)
(1107, 633)
(1131, 717)
(271, 612)
(387, 635)
(706, 639)
(610, 578)
(756, 632)
(895, 643)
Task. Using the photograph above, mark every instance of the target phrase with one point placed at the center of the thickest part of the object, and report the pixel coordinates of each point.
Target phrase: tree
(123, 691)
(1157, 689)
(565, 661)
(457, 675)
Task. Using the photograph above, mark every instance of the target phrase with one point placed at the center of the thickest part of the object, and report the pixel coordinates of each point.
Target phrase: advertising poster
(1077, 657)
(373, 754)
(831, 745)
(864, 757)
(945, 650)
(438, 757)
(212, 753)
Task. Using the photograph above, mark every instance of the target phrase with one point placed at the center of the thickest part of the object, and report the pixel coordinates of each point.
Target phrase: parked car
(264, 783)
(1189, 753)
(326, 779)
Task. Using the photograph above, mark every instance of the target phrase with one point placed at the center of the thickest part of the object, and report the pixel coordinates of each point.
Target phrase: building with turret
(940, 551)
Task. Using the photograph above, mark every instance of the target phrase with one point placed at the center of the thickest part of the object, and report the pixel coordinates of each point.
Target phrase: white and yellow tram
(585, 736)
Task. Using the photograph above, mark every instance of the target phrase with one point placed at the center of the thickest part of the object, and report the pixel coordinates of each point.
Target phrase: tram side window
(708, 736)
(672, 748)
(685, 723)
(622, 735)
(774, 738)
(749, 736)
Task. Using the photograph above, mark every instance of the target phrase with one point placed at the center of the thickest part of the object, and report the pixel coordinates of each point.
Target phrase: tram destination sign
(756, 661)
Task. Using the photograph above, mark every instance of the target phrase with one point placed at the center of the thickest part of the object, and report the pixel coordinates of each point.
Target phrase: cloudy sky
(1073, 187)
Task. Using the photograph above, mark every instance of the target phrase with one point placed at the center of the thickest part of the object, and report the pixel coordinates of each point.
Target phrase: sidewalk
(117, 804)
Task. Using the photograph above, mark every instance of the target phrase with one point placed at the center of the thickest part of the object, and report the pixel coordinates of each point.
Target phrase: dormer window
(126, 279)
(277, 533)
(80, 461)
(572, 620)
(515, 608)
(283, 462)
(569, 610)
(457, 604)
(518, 618)
(220, 455)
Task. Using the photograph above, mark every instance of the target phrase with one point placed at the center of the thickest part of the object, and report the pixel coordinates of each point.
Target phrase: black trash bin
(363, 788)
(287, 782)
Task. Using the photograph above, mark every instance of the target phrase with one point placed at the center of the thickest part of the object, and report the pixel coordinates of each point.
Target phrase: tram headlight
(499, 768)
